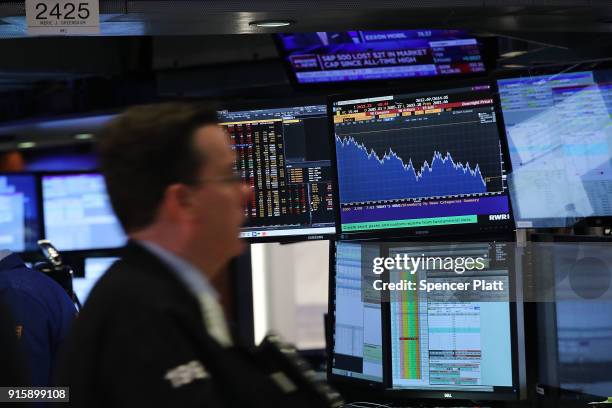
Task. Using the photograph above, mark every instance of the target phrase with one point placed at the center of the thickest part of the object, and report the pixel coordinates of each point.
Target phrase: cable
(365, 404)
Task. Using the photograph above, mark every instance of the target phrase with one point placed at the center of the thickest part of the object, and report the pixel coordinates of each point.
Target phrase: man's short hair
(146, 149)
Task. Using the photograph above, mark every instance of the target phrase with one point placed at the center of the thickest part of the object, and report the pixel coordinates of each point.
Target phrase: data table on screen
(78, 214)
(283, 155)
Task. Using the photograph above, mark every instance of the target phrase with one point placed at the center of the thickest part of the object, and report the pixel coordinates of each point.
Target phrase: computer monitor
(78, 214)
(283, 154)
(19, 220)
(559, 131)
(573, 276)
(420, 162)
(356, 349)
(94, 268)
(460, 340)
(323, 57)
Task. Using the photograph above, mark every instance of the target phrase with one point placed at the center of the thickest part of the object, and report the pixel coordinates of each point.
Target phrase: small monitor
(283, 154)
(19, 219)
(420, 162)
(357, 341)
(78, 214)
(452, 331)
(94, 269)
(322, 57)
(560, 140)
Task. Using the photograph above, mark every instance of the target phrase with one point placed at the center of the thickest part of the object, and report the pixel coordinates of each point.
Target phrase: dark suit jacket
(140, 328)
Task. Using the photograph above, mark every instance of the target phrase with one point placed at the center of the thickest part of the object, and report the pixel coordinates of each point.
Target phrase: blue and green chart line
(365, 175)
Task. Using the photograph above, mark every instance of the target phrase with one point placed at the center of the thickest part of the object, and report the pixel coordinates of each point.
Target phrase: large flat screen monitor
(283, 154)
(78, 214)
(19, 220)
(559, 130)
(427, 319)
(320, 57)
(454, 335)
(420, 162)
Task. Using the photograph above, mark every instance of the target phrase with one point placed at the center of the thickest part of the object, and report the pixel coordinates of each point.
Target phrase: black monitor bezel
(265, 104)
(512, 393)
(420, 233)
(589, 65)
(488, 50)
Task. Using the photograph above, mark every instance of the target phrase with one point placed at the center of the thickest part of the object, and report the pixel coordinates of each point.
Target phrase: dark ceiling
(205, 17)
(207, 48)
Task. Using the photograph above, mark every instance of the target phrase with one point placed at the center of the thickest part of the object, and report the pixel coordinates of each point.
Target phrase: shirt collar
(192, 277)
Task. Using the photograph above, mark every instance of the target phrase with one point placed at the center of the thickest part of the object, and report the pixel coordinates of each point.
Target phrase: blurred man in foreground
(152, 332)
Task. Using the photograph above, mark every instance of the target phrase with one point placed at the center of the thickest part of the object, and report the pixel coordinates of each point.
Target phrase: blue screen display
(372, 55)
(420, 161)
(19, 225)
(78, 213)
(559, 131)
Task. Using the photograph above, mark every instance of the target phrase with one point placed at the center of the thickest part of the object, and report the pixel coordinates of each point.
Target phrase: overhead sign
(63, 17)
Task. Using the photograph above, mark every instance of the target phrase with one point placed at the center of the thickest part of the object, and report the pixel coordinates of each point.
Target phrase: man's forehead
(214, 143)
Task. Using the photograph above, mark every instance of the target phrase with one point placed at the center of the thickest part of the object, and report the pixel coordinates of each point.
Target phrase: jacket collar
(136, 254)
(189, 275)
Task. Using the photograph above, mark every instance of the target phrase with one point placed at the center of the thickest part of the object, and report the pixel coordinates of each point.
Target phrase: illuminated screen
(560, 139)
(283, 154)
(19, 222)
(371, 55)
(452, 340)
(420, 161)
(94, 269)
(78, 214)
(357, 332)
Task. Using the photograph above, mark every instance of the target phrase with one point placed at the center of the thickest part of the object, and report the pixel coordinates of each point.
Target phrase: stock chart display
(283, 154)
(420, 160)
(318, 57)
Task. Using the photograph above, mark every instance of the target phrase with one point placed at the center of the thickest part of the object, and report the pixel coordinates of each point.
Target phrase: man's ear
(177, 199)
